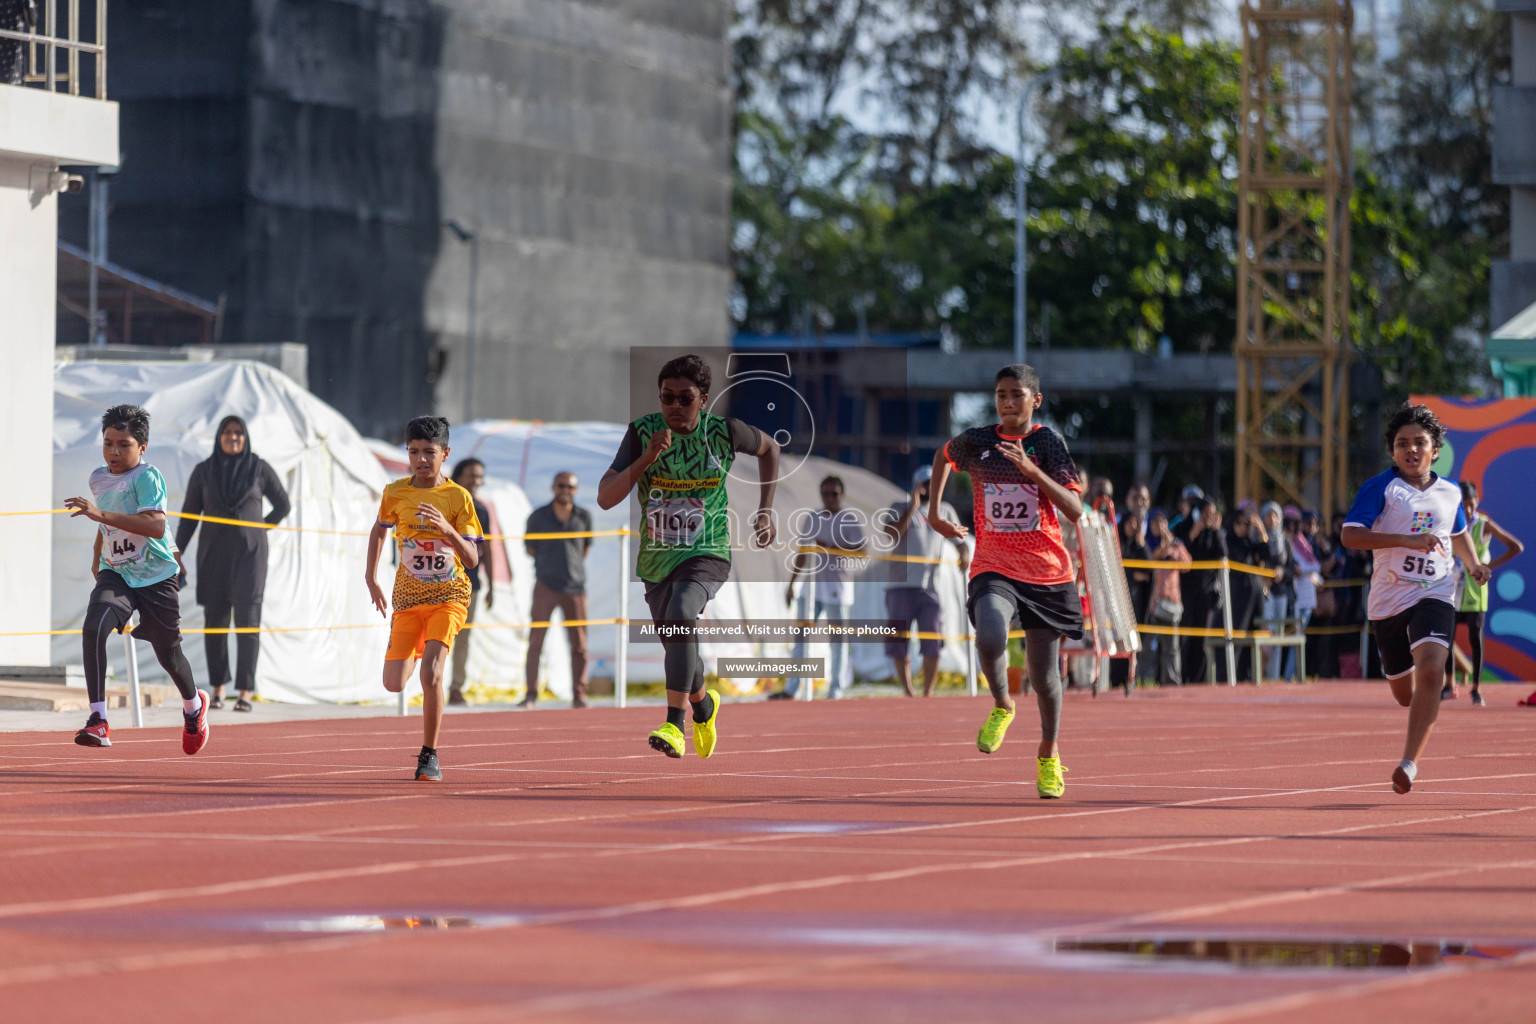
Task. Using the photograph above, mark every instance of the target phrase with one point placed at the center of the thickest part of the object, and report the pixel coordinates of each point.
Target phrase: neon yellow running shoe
(668, 739)
(992, 733)
(704, 732)
(1049, 783)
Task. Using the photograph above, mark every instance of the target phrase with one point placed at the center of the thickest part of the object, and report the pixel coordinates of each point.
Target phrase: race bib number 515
(1420, 568)
(430, 561)
(1012, 508)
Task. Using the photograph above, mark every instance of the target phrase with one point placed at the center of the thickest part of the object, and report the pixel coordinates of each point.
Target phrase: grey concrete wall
(342, 194)
(1512, 288)
(177, 69)
(300, 157)
(589, 146)
(1514, 144)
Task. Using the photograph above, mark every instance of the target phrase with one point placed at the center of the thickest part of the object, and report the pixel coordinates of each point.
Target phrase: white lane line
(311, 877)
(596, 997)
(591, 914)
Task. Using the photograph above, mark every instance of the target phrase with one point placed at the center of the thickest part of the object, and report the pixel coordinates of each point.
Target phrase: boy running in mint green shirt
(136, 570)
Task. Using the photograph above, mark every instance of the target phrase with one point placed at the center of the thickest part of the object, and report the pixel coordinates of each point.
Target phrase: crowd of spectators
(1316, 583)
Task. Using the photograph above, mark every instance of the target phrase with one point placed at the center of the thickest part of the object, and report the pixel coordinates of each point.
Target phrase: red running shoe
(196, 734)
(1529, 702)
(95, 733)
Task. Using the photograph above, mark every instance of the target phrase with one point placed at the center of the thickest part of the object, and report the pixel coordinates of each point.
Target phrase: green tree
(1134, 212)
(1428, 217)
(1132, 221)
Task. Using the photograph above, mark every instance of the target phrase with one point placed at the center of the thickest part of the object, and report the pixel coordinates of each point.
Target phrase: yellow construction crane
(1292, 344)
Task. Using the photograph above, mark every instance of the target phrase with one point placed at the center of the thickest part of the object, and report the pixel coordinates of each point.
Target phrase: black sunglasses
(684, 400)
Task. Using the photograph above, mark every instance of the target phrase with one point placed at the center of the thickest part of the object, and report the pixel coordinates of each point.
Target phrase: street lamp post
(472, 238)
(1020, 194)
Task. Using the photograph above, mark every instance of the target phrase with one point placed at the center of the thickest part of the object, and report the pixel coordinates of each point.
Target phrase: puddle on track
(1222, 954)
(960, 947)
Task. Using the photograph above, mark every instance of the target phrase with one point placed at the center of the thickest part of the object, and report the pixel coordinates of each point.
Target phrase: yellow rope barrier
(625, 531)
(1143, 563)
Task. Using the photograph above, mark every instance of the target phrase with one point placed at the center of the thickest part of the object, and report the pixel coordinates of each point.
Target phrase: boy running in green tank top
(1472, 609)
(676, 460)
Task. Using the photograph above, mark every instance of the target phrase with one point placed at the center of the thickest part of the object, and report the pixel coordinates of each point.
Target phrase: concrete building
(52, 115)
(1511, 343)
(303, 160)
(1514, 164)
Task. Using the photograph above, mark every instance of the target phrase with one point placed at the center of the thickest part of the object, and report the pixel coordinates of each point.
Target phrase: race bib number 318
(1012, 508)
(430, 561)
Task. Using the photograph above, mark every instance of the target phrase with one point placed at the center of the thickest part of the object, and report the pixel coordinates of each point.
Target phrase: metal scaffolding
(1292, 346)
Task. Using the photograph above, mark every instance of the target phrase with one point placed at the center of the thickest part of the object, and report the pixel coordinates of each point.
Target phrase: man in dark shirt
(470, 475)
(560, 581)
(1202, 587)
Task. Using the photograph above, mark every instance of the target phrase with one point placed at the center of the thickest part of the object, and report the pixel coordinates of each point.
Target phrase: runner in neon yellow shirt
(1473, 606)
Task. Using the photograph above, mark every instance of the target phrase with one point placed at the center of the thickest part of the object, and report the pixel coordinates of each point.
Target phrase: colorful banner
(1493, 444)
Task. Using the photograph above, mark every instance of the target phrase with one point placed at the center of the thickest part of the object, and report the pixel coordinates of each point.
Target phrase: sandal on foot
(242, 705)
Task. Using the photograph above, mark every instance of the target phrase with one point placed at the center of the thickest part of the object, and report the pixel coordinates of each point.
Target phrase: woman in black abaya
(232, 560)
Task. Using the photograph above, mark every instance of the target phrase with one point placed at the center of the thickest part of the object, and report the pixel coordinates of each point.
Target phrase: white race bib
(430, 561)
(674, 522)
(1421, 567)
(1012, 508)
(119, 547)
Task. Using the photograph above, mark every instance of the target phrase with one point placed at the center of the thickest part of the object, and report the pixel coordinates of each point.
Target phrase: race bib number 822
(1012, 508)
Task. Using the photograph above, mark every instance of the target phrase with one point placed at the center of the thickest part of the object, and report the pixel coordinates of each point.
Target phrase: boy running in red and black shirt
(1021, 476)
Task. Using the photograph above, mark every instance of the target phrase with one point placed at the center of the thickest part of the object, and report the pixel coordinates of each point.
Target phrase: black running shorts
(1428, 622)
(1053, 606)
(158, 605)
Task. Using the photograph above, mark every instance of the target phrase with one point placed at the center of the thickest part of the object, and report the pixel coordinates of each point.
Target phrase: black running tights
(684, 667)
(993, 612)
(101, 621)
(1475, 643)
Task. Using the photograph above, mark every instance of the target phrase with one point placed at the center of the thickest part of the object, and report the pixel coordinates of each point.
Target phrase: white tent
(525, 456)
(314, 578)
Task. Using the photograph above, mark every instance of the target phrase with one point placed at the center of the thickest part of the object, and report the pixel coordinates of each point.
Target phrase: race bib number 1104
(674, 522)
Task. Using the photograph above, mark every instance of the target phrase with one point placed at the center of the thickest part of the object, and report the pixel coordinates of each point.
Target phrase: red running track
(832, 862)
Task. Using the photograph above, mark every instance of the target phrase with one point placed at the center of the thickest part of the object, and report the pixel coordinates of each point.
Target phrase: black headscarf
(231, 477)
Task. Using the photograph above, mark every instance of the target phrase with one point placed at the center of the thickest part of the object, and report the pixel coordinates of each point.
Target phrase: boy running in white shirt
(1413, 519)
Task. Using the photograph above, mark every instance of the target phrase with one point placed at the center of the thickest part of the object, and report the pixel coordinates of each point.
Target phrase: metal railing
(51, 60)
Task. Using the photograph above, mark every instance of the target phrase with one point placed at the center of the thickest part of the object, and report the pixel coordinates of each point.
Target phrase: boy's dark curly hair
(688, 368)
(131, 418)
(1423, 415)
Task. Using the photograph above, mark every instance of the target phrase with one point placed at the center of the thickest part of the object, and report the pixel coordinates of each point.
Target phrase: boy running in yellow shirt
(439, 536)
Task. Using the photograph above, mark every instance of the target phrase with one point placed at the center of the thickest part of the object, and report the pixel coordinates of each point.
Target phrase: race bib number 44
(119, 547)
(430, 561)
(674, 522)
(1012, 508)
